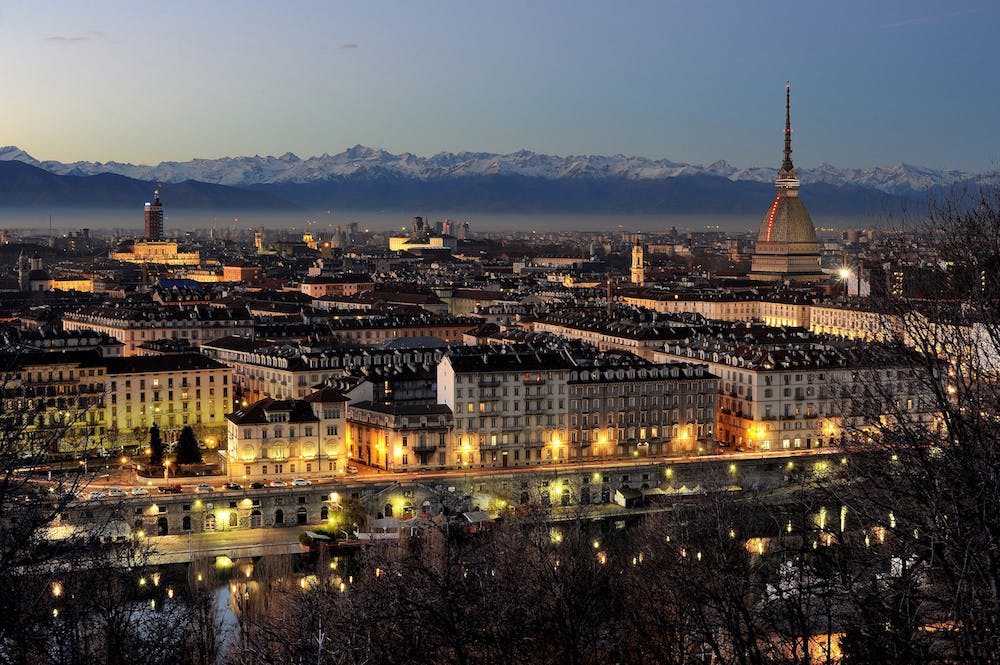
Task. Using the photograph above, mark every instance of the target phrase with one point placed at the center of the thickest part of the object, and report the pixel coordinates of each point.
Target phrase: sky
(873, 83)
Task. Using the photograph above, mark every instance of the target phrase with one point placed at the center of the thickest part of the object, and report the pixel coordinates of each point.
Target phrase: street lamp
(845, 276)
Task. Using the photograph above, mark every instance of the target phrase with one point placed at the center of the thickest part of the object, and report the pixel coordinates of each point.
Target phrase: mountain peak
(362, 161)
(11, 153)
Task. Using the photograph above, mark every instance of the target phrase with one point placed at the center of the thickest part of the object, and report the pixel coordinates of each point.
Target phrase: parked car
(301, 482)
(96, 495)
(232, 486)
(279, 483)
(116, 491)
(352, 469)
(257, 486)
(204, 487)
(170, 489)
(140, 491)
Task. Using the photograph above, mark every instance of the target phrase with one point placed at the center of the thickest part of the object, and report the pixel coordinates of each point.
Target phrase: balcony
(427, 447)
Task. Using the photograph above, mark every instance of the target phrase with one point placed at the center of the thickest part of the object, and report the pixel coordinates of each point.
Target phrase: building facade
(286, 439)
(135, 326)
(171, 391)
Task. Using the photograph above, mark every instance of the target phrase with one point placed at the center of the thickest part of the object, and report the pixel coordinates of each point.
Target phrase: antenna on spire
(786, 166)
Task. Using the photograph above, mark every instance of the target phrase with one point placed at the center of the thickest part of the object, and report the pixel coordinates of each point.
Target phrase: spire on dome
(787, 168)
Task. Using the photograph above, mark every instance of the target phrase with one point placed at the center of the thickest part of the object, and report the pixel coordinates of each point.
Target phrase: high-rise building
(154, 218)
(786, 249)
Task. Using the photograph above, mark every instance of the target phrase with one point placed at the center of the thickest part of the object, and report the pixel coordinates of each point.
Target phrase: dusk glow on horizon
(873, 84)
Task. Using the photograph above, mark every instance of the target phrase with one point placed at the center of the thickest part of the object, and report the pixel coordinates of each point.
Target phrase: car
(170, 489)
(140, 491)
(96, 495)
(257, 486)
(301, 482)
(279, 483)
(116, 491)
(204, 487)
(352, 469)
(232, 486)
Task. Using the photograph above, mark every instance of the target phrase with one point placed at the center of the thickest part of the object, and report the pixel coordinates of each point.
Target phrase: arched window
(279, 517)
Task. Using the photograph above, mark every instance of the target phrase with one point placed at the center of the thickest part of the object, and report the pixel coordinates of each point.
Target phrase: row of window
(156, 383)
(157, 395)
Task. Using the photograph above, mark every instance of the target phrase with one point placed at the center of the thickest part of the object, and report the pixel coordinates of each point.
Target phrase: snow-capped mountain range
(361, 162)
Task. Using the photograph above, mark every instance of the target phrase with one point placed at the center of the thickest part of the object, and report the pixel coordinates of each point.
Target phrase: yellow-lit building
(399, 437)
(163, 252)
(171, 391)
(53, 402)
(852, 323)
(796, 393)
(518, 406)
(641, 409)
(286, 439)
(81, 284)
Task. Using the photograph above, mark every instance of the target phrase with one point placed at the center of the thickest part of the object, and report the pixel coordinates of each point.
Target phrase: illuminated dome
(786, 249)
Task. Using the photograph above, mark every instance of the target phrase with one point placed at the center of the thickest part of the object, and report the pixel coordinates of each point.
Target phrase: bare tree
(932, 490)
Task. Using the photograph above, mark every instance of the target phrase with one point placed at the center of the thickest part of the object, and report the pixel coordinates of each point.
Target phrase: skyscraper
(154, 218)
(786, 249)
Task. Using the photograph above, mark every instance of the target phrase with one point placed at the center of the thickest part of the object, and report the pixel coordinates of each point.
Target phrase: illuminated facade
(171, 391)
(641, 409)
(400, 437)
(286, 439)
(54, 402)
(797, 392)
(163, 252)
(510, 408)
(515, 406)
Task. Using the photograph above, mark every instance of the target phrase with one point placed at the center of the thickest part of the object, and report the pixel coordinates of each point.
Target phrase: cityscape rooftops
(264, 411)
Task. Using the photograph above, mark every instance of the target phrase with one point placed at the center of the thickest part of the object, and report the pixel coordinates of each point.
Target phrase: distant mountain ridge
(24, 185)
(360, 163)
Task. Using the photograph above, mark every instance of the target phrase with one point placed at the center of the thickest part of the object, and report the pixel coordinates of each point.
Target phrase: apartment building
(274, 439)
(621, 406)
(172, 391)
(263, 368)
(134, 326)
(53, 402)
(783, 390)
(515, 405)
(400, 437)
(510, 405)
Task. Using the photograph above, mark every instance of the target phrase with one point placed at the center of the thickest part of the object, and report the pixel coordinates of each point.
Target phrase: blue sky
(873, 83)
